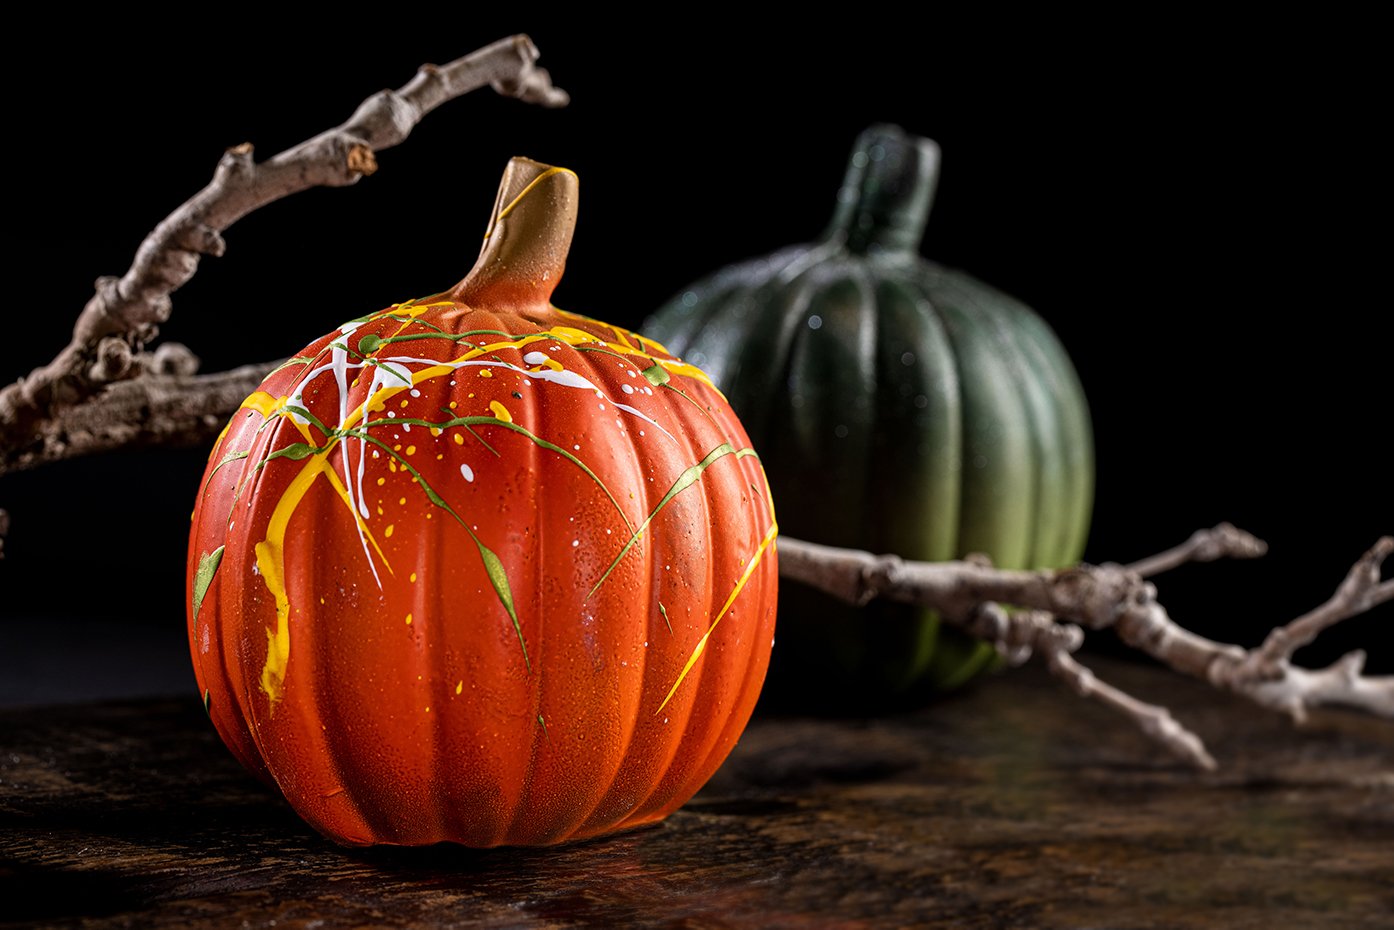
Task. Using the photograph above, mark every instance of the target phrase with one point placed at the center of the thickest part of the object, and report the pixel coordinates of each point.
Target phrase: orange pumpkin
(475, 569)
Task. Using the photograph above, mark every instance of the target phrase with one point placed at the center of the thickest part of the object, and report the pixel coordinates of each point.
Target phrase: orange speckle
(388, 532)
(439, 456)
(459, 686)
(379, 511)
(428, 710)
(401, 500)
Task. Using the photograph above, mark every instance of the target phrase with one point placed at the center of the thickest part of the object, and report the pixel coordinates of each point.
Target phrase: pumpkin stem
(886, 194)
(525, 246)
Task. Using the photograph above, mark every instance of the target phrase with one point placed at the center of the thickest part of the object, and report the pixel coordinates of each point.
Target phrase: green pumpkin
(899, 407)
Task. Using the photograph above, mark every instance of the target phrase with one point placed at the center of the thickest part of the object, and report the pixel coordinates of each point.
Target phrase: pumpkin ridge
(1053, 522)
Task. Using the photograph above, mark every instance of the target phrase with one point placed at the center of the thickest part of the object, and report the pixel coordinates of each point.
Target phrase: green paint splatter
(656, 374)
(664, 611)
(493, 567)
(470, 430)
(369, 344)
(296, 451)
(230, 457)
(687, 479)
(207, 702)
(499, 579)
(203, 576)
(469, 422)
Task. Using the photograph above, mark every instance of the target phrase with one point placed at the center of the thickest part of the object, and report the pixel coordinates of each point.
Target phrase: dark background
(1200, 209)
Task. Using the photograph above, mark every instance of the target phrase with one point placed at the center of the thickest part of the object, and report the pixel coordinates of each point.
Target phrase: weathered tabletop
(1013, 805)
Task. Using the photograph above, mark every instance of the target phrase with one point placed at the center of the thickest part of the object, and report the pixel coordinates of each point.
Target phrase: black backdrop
(1194, 207)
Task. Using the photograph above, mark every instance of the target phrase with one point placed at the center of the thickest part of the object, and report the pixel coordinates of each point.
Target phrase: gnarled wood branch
(968, 594)
(125, 313)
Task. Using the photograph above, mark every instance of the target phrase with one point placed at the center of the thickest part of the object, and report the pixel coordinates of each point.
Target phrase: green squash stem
(887, 193)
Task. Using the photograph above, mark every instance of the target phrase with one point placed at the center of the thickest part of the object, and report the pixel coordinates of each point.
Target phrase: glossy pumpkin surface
(899, 407)
(474, 569)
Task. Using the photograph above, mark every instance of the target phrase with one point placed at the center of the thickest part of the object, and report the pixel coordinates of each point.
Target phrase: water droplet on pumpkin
(815, 322)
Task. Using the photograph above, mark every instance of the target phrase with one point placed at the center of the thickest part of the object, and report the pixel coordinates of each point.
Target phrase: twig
(1119, 597)
(1225, 541)
(125, 313)
(1017, 636)
(160, 408)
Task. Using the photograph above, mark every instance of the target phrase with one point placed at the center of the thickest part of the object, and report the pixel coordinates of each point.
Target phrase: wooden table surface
(1011, 805)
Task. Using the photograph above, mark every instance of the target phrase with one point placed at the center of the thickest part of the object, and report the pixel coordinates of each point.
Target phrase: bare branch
(124, 314)
(1100, 596)
(1225, 541)
(1017, 635)
(166, 407)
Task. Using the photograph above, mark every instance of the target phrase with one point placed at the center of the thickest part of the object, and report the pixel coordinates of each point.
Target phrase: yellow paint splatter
(459, 686)
(485, 373)
(459, 439)
(436, 430)
(411, 450)
(381, 481)
(500, 411)
(405, 402)
(408, 619)
(401, 500)
(740, 585)
(413, 577)
(453, 405)
(388, 532)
